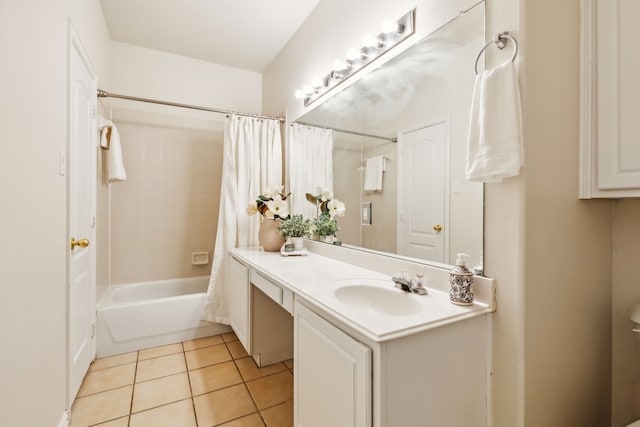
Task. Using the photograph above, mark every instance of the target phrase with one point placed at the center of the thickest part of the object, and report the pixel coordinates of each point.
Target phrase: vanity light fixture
(393, 32)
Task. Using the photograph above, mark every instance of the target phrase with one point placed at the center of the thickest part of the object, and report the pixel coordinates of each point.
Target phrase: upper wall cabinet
(610, 79)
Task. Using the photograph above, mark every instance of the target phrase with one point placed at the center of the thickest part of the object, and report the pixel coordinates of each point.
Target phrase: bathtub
(135, 316)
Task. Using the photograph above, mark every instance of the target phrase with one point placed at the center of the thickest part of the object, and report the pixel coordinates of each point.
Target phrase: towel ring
(501, 42)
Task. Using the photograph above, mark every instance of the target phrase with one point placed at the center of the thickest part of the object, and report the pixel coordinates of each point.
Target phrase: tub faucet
(415, 286)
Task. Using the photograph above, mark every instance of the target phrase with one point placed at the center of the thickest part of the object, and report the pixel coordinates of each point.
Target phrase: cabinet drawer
(269, 288)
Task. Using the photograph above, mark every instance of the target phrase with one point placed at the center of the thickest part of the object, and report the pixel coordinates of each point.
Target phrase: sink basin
(387, 301)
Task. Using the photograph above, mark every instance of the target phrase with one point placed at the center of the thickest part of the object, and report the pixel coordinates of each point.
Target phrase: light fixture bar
(374, 47)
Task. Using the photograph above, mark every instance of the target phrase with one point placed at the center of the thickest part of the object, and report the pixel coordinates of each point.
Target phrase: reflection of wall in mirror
(347, 185)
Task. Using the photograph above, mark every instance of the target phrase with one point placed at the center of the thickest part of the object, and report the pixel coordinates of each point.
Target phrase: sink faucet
(415, 286)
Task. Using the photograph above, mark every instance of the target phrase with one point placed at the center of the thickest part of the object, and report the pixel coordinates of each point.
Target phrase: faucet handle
(418, 285)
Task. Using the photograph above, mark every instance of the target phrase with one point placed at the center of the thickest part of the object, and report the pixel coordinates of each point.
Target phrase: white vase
(326, 239)
(298, 243)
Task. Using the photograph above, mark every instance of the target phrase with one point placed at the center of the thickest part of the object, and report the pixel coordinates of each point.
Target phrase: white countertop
(315, 278)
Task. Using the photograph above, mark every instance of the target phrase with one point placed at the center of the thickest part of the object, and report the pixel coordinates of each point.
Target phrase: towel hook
(501, 42)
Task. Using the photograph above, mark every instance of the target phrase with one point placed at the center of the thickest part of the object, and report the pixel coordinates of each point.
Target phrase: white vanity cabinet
(332, 379)
(239, 301)
(437, 377)
(609, 149)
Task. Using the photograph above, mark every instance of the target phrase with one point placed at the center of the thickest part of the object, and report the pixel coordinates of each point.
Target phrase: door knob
(83, 243)
(437, 227)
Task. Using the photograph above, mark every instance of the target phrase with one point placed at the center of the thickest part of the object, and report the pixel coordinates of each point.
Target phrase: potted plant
(325, 227)
(295, 228)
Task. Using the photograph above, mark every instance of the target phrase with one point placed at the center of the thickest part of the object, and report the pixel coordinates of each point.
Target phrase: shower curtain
(252, 161)
(310, 165)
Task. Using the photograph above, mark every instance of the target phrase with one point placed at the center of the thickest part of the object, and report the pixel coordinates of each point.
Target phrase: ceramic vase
(326, 239)
(298, 243)
(269, 236)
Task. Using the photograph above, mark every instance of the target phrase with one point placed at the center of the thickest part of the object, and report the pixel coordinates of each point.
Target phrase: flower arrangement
(325, 203)
(271, 204)
(295, 226)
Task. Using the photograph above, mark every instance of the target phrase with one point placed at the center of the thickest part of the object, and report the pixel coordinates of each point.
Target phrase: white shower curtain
(252, 161)
(310, 165)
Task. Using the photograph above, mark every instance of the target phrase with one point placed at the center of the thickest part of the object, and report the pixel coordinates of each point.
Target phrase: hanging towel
(495, 149)
(373, 174)
(110, 140)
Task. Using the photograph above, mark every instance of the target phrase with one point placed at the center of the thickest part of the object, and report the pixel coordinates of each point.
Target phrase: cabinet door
(239, 302)
(610, 153)
(332, 380)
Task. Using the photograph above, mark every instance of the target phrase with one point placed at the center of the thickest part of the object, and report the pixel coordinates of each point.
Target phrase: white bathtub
(135, 316)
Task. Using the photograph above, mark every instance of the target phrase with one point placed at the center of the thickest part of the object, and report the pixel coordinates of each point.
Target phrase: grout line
(133, 390)
(193, 403)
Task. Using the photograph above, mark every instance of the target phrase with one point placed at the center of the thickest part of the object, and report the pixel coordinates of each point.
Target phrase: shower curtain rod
(105, 94)
(368, 135)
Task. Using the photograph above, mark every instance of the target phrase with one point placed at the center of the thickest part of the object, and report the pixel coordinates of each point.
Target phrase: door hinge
(93, 330)
(93, 221)
(92, 111)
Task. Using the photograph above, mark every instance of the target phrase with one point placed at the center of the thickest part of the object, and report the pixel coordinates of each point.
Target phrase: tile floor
(201, 383)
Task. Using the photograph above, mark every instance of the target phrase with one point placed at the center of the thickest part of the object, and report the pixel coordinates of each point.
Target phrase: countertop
(315, 279)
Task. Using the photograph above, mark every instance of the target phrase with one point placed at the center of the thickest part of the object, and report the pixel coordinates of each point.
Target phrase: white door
(82, 186)
(421, 192)
(332, 375)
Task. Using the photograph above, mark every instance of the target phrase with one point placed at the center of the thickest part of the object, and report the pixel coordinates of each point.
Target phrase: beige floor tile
(120, 422)
(107, 379)
(111, 361)
(202, 342)
(207, 356)
(289, 363)
(214, 377)
(161, 391)
(178, 414)
(250, 371)
(164, 350)
(160, 367)
(237, 349)
(279, 416)
(230, 336)
(223, 405)
(253, 420)
(272, 390)
(101, 407)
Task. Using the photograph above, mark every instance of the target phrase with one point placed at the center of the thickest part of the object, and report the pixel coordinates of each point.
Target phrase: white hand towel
(495, 147)
(373, 174)
(110, 138)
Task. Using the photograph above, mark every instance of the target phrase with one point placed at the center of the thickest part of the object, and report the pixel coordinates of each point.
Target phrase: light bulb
(389, 26)
(307, 90)
(353, 54)
(298, 94)
(340, 65)
(369, 41)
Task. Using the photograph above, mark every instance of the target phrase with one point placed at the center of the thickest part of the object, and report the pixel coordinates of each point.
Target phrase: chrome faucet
(415, 286)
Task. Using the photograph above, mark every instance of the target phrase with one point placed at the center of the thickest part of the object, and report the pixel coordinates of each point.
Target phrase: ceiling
(246, 34)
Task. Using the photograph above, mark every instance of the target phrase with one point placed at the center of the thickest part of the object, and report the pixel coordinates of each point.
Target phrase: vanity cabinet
(332, 379)
(240, 302)
(609, 151)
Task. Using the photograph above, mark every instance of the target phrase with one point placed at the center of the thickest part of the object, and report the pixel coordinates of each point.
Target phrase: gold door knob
(83, 243)
(437, 227)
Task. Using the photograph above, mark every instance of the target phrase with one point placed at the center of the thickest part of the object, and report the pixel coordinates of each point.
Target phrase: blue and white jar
(461, 281)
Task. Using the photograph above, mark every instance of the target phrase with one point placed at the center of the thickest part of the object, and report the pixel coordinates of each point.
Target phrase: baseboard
(64, 421)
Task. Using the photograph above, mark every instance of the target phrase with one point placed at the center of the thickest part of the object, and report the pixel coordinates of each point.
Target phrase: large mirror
(415, 108)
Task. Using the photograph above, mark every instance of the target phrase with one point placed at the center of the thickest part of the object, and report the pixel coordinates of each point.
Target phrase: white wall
(549, 252)
(33, 83)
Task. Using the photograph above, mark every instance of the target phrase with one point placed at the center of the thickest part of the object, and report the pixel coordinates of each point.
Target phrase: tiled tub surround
(168, 206)
(201, 383)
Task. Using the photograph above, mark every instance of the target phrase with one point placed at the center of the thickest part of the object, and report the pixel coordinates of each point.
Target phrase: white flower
(272, 191)
(252, 209)
(336, 208)
(268, 214)
(278, 207)
(325, 193)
